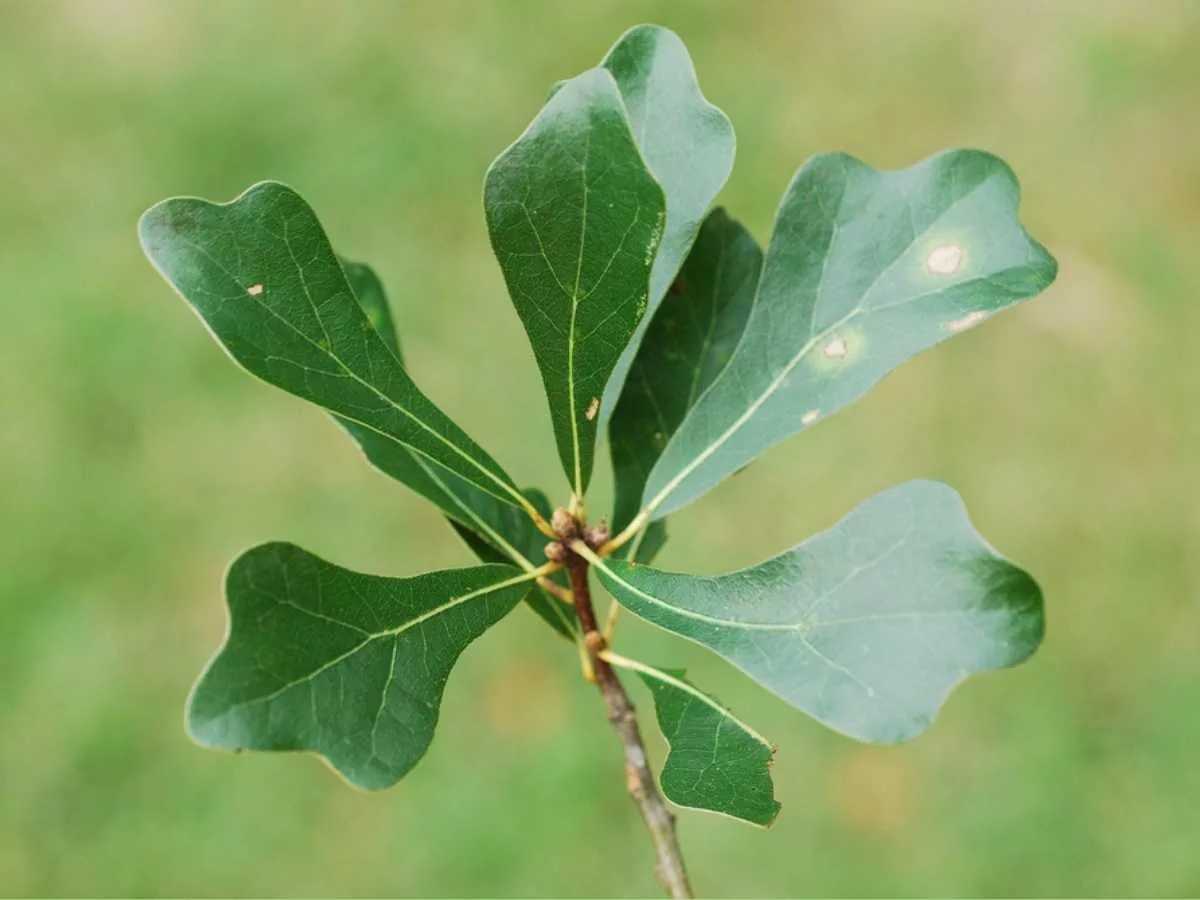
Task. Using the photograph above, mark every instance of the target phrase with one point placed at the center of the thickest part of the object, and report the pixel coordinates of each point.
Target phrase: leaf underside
(864, 270)
(716, 762)
(349, 666)
(574, 219)
(687, 143)
(262, 275)
(867, 626)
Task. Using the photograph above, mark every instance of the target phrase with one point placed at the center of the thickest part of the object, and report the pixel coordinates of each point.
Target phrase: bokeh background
(136, 460)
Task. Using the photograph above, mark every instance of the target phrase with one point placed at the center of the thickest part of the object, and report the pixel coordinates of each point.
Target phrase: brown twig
(639, 779)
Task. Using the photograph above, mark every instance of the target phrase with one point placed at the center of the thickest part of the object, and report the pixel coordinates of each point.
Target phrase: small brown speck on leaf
(593, 408)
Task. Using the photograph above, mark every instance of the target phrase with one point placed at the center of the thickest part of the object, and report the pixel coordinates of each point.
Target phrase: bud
(597, 535)
(563, 524)
(556, 552)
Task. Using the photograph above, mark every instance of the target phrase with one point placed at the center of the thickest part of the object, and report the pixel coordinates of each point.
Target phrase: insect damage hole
(254, 290)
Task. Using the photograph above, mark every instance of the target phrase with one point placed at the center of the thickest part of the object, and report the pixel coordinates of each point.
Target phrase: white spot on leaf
(835, 348)
(944, 260)
(970, 320)
(809, 417)
(254, 290)
(593, 408)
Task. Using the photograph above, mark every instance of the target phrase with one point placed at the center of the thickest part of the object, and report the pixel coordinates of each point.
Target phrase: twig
(639, 779)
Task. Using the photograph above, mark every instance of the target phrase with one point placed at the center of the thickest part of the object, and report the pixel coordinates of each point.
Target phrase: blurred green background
(137, 460)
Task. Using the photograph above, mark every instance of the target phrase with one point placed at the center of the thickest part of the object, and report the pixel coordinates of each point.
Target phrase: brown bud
(556, 552)
(563, 524)
(597, 535)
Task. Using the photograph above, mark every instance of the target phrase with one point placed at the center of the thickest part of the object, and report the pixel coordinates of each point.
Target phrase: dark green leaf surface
(261, 273)
(686, 141)
(374, 302)
(345, 665)
(866, 627)
(717, 762)
(864, 270)
(690, 341)
(575, 219)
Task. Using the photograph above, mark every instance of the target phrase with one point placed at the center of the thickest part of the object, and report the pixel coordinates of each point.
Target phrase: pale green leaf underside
(261, 273)
(688, 344)
(575, 219)
(867, 626)
(864, 270)
(716, 762)
(688, 145)
(349, 666)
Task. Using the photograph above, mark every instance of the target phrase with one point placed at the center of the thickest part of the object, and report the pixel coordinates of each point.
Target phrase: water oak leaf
(864, 270)
(689, 146)
(716, 761)
(261, 274)
(688, 344)
(368, 290)
(349, 666)
(867, 626)
(575, 219)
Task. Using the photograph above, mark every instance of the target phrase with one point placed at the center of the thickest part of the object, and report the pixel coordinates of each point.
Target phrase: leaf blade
(574, 219)
(688, 144)
(864, 270)
(323, 659)
(261, 274)
(864, 638)
(689, 342)
(716, 761)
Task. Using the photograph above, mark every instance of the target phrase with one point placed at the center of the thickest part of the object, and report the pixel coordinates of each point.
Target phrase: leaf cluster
(658, 318)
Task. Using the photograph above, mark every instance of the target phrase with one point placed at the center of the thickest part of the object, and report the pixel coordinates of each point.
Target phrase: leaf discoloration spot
(970, 320)
(944, 259)
(835, 348)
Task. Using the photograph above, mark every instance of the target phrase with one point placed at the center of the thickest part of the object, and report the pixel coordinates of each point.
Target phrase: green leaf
(717, 762)
(261, 273)
(368, 289)
(575, 219)
(864, 270)
(690, 341)
(686, 141)
(345, 665)
(866, 627)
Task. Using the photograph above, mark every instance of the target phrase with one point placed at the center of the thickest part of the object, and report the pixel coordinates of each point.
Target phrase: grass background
(137, 460)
